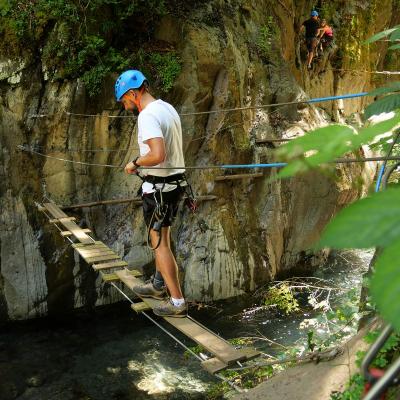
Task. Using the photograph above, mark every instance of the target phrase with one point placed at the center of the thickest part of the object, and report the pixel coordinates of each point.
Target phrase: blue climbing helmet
(314, 13)
(131, 79)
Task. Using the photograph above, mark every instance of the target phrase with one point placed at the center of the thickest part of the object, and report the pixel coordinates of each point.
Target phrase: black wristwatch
(134, 162)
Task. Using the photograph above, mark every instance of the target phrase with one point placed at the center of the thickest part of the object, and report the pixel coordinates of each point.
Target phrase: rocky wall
(254, 231)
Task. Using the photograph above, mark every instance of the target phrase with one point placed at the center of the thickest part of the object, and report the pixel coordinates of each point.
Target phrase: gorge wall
(255, 230)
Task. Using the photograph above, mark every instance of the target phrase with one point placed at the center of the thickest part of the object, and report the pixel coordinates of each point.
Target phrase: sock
(177, 302)
(158, 281)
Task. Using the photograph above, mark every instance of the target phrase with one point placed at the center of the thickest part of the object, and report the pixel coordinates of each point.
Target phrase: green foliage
(327, 10)
(196, 349)
(385, 283)
(369, 222)
(282, 297)
(388, 32)
(353, 391)
(385, 104)
(166, 67)
(324, 144)
(392, 87)
(266, 36)
(217, 391)
(84, 40)
(385, 356)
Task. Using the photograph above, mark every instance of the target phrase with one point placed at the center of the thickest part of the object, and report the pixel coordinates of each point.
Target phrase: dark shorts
(311, 43)
(171, 200)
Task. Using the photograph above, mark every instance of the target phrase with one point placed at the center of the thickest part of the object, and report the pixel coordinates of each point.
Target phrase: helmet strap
(138, 98)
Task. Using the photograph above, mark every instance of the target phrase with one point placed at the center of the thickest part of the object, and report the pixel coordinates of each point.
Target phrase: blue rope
(270, 165)
(343, 96)
(379, 180)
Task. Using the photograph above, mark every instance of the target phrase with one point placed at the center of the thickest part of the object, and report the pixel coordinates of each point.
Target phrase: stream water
(115, 354)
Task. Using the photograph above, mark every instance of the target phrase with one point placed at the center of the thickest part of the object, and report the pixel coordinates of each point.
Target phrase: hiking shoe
(167, 309)
(148, 290)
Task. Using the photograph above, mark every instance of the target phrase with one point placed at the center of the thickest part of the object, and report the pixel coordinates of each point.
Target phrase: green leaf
(395, 35)
(381, 35)
(393, 87)
(385, 104)
(394, 47)
(368, 133)
(325, 144)
(370, 222)
(385, 284)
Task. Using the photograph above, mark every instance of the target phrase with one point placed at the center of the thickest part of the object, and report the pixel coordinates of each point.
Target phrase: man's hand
(131, 168)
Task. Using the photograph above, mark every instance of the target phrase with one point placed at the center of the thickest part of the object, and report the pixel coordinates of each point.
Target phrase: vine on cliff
(86, 39)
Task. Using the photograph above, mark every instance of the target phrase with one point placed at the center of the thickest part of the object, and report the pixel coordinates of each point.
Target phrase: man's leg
(309, 58)
(165, 261)
(314, 44)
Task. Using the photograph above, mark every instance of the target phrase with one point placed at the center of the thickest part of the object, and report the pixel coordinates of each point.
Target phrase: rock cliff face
(256, 229)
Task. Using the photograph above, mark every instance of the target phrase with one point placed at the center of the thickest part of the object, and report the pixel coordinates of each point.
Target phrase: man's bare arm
(155, 156)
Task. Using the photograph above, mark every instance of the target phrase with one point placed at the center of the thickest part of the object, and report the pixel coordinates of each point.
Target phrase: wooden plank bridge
(113, 268)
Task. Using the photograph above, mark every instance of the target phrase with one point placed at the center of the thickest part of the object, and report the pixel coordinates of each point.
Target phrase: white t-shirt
(160, 119)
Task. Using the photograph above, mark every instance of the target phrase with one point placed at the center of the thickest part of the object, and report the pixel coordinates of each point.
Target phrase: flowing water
(115, 354)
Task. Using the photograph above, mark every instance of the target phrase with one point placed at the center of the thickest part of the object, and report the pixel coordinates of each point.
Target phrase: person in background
(325, 35)
(311, 27)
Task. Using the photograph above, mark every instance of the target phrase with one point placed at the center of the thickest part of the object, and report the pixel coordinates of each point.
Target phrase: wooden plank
(76, 230)
(68, 233)
(61, 220)
(238, 176)
(140, 306)
(114, 277)
(89, 248)
(95, 252)
(115, 264)
(211, 342)
(92, 260)
(134, 272)
(54, 210)
(95, 243)
(213, 365)
(109, 277)
(96, 255)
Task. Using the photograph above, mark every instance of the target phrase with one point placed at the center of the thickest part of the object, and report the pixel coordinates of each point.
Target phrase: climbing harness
(162, 208)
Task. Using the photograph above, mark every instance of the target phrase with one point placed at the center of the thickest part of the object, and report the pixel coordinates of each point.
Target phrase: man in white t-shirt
(160, 145)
